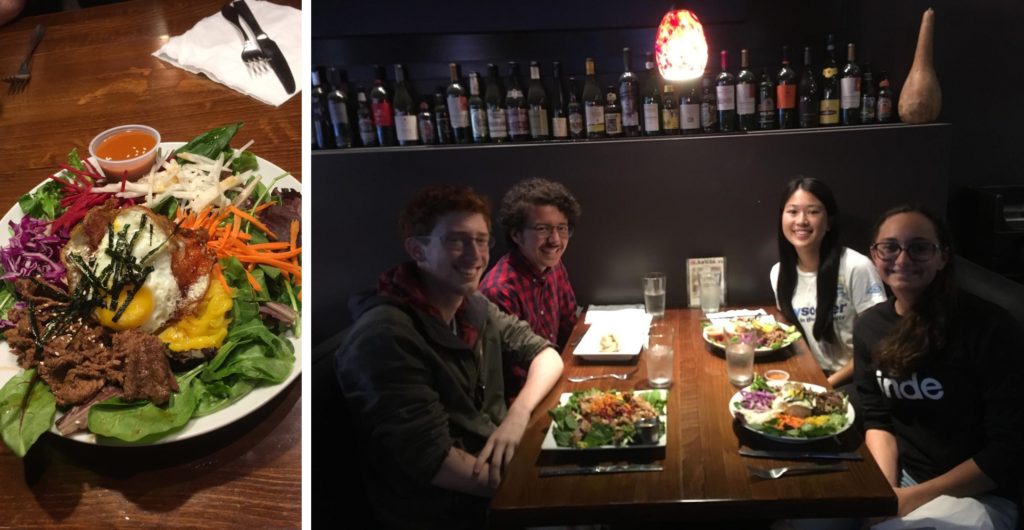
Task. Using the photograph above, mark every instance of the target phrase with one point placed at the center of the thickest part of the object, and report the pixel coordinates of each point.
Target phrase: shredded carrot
(252, 281)
(790, 421)
(239, 213)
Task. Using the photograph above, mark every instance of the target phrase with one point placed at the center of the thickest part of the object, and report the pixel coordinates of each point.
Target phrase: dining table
(93, 70)
(703, 478)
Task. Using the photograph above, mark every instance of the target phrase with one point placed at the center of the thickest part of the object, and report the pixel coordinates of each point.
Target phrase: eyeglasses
(916, 250)
(456, 242)
(545, 231)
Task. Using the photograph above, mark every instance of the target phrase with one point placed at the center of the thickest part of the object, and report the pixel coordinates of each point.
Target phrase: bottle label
(708, 115)
(496, 121)
(538, 121)
(849, 92)
(744, 98)
(382, 114)
(867, 109)
(427, 131)
(366, 131)
(576, 123)
(785, 96)
(595, 118)
(478, 119)
(518, 121)
(651, 122)
(829, 111)
(884, 109)
(560, 127)
(613, 123)
(458, 110)
(691, 116)
(630, 117)
(766, 105)
(405, 127)
(726, 97)
(670, 117)
(338, 112)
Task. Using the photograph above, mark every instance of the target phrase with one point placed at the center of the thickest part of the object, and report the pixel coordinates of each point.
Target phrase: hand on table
(502, 444)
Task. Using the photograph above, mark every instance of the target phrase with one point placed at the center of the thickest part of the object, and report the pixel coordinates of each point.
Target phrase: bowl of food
(780, 376)
(126, 151)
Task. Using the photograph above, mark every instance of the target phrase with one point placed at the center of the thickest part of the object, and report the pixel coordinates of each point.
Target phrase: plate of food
(608, 419)
(791, 411)
(610, 343)
(770, 334)
(148, 311)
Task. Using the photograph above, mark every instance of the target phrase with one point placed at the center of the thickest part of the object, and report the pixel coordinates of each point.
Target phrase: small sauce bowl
(648, 431)
(125, 151)
(780, 376)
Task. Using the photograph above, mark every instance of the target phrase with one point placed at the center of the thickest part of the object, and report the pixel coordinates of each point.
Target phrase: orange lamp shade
(680, 47)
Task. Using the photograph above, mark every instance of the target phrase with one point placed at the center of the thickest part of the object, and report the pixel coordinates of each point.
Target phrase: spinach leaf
(253, 351)
(137, 420)
(245, 162)
(216, 395)
(211, 142)
(44, 203)
(27, 407)
(7, 298)
(599, 434)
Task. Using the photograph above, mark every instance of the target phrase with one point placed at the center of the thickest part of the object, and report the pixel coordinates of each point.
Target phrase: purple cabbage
(757, 400)
(31, 251)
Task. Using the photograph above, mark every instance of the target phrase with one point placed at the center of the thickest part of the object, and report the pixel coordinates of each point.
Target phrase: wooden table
(92, 71)
(704, 479)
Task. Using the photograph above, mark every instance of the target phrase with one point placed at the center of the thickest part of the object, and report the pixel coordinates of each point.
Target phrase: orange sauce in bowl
(125, 145)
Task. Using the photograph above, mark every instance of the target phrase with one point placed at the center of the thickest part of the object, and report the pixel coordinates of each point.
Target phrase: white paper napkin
(736, 313)
(214, 47)
(620, 315)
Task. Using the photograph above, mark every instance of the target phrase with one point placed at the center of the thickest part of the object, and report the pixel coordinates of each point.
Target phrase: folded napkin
(736, 313)
(619, 315)
(214, 47)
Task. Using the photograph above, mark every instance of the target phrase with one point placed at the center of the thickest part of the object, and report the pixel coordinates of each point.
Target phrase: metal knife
(557, 471)
(268, 46)
(799, 455)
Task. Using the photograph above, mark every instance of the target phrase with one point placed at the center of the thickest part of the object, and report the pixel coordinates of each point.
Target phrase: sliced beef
(147, 373)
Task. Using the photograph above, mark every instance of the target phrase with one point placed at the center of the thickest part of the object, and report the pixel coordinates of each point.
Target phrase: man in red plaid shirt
(531, 282)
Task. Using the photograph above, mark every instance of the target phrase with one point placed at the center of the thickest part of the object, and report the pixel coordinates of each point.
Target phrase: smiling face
(804, 222)
(454, 255)
(906, 277)
(543, 251)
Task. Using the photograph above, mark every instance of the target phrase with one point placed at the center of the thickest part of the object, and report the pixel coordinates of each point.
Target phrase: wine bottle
(577, 124)
(849, 89)
(559, 114)
(629, 96)
(477, 110)
(593, 103)
(338, 109)
(517, 110)
(809, 111)
(458, 106)
(380, 103)
(442, 120)
(885, 99)
(405, 110)
(746, 88)
(537, 98)
(708, 105)
(495, 102)
(323, 138)
(689, 112)
(426, 124)
(612, 113)
(725, 90)
(652, 98)
(785, 93)
(669, 110)
(868, 96)
(765, 101)
(828, 107)
(367, 130)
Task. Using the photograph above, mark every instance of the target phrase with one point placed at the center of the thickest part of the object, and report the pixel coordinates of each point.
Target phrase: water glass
(654, 293)
(660, 348)
(739, 358)
(710, 291)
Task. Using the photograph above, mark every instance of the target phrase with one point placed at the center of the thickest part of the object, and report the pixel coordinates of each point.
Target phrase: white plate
(549, 439)
(737, 397)
(759, 352)
(630, 338)
(230, 414)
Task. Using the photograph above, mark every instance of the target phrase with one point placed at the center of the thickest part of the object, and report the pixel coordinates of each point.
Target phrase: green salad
(605, 418)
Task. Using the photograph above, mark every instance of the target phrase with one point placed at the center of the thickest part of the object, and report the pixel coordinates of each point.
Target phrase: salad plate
(771, 334)
(568, 413)
(252, 400)
(762, 408)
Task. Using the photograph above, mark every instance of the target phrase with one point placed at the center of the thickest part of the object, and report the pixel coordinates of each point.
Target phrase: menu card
(695, 266)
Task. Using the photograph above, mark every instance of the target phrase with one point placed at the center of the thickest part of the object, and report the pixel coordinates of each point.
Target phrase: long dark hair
(828, 262)
(924, 329)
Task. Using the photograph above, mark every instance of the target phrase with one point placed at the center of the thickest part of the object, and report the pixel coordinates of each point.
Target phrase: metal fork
(20, 79)
(583, 378)
(777, 472)
(252, 56)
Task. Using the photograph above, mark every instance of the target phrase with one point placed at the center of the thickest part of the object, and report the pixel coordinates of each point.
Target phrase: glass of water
(739, 358)
(660, 349)
(654, 293)
(710, 291)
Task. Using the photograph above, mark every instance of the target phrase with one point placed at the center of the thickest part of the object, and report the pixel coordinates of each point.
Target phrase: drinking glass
(660, 348)
(739, 358)
(710, 291)
(654, 293)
